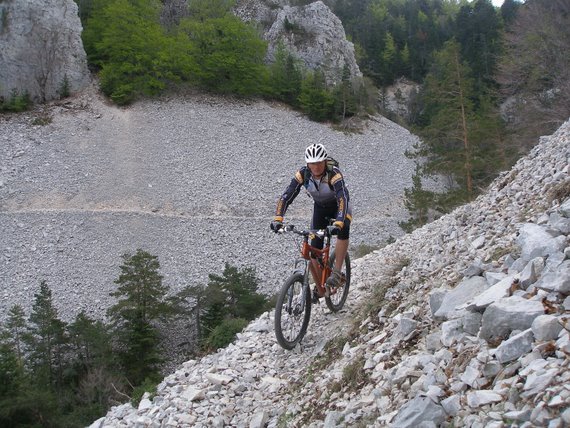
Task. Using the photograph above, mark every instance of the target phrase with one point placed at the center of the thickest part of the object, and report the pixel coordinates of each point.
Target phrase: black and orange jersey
(328, 191)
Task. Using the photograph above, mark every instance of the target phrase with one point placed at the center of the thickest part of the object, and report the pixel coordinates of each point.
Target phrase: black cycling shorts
(321, 217)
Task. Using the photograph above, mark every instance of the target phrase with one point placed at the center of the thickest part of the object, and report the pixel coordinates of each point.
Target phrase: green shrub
(64, 88)
(17, 102)
(353, 375)
(42, 120)
(149, 385)
(225, 333)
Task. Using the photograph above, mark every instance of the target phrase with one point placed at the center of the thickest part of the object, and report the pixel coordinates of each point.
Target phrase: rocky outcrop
(311, 33)
(397, 98)
(41, 48)
(400, 367)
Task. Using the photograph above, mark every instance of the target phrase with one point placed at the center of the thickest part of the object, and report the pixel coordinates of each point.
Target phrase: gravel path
(193, 180)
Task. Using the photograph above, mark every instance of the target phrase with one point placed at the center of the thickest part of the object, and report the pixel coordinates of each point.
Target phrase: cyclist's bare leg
(334, 279)
(340, 250)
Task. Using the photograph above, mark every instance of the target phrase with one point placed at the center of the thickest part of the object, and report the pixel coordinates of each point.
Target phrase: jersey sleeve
(289, 194)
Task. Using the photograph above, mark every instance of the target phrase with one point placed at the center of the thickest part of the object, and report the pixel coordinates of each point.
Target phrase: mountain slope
(192, 179)
(385, 360)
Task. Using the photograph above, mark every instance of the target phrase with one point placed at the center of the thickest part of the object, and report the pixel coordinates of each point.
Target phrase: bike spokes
(292, 312)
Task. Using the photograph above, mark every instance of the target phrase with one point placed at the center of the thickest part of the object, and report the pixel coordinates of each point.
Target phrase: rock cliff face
(40, 46)
(312, 33)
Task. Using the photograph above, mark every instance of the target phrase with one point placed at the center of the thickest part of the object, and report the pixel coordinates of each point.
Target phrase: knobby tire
(291, 321)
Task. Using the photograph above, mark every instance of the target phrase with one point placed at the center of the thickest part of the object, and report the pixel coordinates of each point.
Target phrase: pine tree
(449, 104)
(285, 76)
(95, 366)
(460, 134)
(193, 301)
(315, 99)
(16, 328)
(230, 296)
(389, 55)
(418, 202)
(142, 301)
(46, 340)
(345, 98)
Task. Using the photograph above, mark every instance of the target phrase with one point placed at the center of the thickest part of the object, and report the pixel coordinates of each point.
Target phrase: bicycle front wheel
(292, 312)
(336, 300)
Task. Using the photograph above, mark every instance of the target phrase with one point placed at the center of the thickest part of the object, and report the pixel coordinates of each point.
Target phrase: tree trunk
(465, 136)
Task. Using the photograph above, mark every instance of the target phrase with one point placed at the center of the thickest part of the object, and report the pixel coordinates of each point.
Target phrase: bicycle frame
(317, 258)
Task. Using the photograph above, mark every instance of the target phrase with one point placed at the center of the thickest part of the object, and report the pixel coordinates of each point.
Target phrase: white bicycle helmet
(315, 153)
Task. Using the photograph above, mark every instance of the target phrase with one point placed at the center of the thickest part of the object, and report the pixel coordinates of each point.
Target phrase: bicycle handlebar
(320, 233)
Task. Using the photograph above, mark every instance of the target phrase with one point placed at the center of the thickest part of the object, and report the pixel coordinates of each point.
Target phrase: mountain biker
(325, 184)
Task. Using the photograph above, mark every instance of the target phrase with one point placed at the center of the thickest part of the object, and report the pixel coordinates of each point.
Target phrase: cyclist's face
(317, 168)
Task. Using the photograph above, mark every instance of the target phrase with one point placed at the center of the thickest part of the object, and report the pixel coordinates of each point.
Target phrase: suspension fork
(302, 267)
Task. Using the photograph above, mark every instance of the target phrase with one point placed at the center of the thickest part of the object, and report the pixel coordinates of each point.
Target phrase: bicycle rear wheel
(292, 312)
(336, 300)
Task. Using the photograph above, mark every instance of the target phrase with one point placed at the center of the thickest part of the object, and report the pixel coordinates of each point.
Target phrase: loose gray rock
(508, 314)
(418, 410)
(461, 294)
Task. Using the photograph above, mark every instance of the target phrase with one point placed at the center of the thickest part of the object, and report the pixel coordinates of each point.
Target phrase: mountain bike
(293, 307)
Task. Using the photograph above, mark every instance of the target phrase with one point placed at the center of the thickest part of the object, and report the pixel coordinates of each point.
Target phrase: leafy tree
(240, 290)
(12, 376)
(23, 403)
(229, 54)
(389, 56)
(95, 367)
(125, 39)
(85, 8)
(17, 102)
(202, 10)
(91, 342)
(142, 301)
(141, 294)
(197, 298)
(405, 61)
(449, 103)
(509, 10)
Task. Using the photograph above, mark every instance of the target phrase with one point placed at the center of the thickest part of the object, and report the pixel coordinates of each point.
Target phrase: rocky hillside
(464, 322)
(193, 180)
